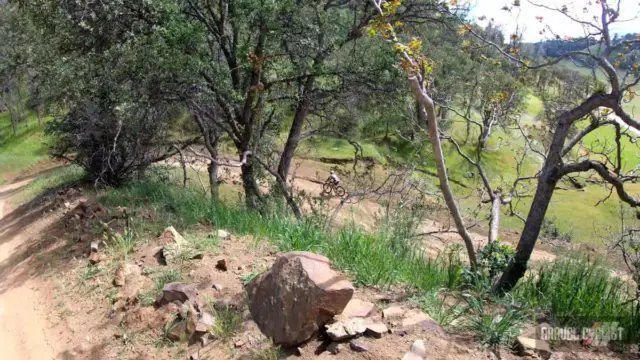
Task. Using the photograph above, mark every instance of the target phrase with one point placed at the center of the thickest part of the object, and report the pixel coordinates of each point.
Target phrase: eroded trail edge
(22, 323)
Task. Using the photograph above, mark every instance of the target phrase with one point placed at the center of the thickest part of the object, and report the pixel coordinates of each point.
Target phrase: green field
(19, 152)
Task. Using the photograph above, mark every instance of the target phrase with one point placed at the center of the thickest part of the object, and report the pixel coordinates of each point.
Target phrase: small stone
(238, 344)
(358, 308)
(298, 351)
(337, 332)
(376, 330)
(205, 322)
(177, 292)
(393, 312)
(223, 234)
(217, 287)
(125, 271)
(119, 278)
(524, 343)
(194, 356)
(401, 333)
(419, 348)
(334, 348)
(357, 347)
(192, 319)
(95, 246)
(221, 265)
(171, 235)
(355, 326)
(421, 320)
(204, 341)
(95, 258)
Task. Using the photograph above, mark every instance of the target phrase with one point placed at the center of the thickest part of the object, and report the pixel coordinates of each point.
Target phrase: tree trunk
(213, 179)
(494, 222)
(547, 182)
(428, 119)
(516, 269)
(293, 139)
(251, 190)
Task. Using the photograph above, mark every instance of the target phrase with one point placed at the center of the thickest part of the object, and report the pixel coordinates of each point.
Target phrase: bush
(549, 230)
(493, 258)
(110, 143)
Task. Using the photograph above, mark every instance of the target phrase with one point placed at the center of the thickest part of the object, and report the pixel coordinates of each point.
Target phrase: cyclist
(334, 178)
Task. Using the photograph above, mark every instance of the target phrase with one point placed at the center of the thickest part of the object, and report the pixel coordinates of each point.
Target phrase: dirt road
(22, 323)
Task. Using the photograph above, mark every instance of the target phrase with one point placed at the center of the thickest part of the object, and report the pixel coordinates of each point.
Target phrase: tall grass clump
(580, 293)
(372, 259)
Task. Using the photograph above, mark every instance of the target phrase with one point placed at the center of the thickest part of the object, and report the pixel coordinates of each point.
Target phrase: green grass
(56, 178)
(228, 323)
(20, 151)
(370, 258)
(579, 293)
(160, 279)
(339, 149)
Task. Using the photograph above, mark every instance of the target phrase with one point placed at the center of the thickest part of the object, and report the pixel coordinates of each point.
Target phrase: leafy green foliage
(494, 257)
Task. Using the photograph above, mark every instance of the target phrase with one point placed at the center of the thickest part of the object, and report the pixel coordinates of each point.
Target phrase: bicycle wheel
(340, 191)
(327, 188)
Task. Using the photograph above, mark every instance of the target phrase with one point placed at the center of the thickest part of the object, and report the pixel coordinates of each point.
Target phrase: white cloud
(524, 18)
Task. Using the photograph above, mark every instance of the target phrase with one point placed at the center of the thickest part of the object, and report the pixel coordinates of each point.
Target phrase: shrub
(111, 142)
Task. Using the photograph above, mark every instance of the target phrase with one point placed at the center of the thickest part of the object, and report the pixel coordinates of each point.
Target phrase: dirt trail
(21, 322)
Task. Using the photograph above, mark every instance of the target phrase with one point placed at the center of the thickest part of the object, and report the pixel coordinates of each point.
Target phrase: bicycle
(330, 186)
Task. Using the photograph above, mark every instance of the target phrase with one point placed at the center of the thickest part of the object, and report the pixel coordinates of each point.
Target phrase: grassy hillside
(20, 151)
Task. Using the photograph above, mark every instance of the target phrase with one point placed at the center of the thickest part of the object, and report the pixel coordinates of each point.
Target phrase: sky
(524, 18)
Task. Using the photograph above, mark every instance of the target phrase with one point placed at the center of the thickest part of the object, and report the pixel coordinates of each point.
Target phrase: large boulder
(297, 296)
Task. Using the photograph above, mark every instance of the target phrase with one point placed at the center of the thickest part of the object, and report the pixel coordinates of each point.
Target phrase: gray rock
(297, 296)
(223, 234)
(358, 308)
(205, 322)
(177, 292)
(393, 312)
(357, 347)
(355, 326)
(541, 346)
(376, 330)
(337, 332)
(421, 320)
